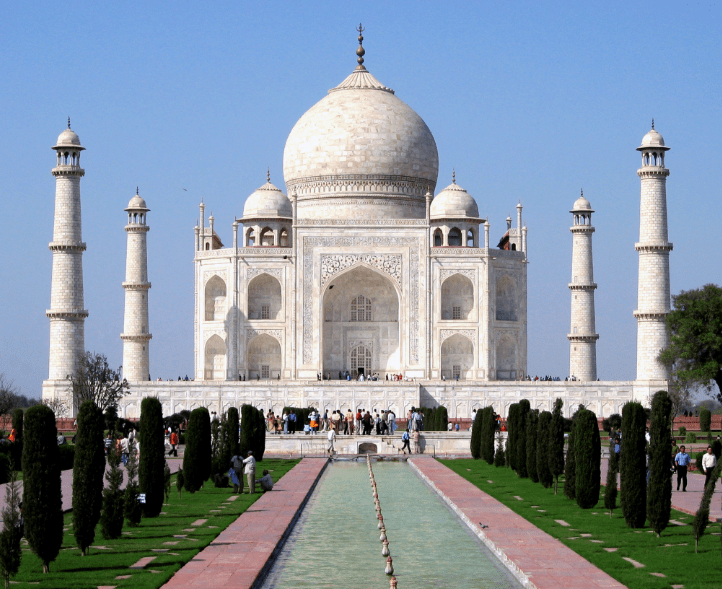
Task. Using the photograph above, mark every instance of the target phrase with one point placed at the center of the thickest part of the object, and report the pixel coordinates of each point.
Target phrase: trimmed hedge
(705, 419)
(633, 465)
(512, 432)
(197, 456)
(521, 456)
(659, 491)
(476, 435)
(152, 456)
(543, 446)
(66, 457)
(587, 452)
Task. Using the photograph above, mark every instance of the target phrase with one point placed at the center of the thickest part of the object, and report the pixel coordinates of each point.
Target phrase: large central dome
(361, 153)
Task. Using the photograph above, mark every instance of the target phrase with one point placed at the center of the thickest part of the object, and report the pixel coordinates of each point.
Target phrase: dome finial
(268, 174)
(582, 191)
(360, 51)
(68, 122)
(453, 175)
(652, 123)
(136, 191)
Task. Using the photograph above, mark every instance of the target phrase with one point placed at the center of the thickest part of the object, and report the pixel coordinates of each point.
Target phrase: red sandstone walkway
(240, 553)
(526, 550)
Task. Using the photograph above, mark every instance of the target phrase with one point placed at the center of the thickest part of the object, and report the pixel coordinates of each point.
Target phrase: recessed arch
(264, 298)
(457, 298)
(264, 357)
(215, 294)
(215, 358)
(457, 357)
(438, 238)
(506, 359)
(455, 237)
(506, 299)
(266, 237)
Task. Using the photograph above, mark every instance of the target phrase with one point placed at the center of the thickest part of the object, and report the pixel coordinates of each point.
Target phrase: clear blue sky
(527, 101)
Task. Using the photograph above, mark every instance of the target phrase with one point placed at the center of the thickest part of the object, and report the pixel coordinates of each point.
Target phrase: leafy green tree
(131, 503)
(111, 517)
(610, 490)
(695, 350)
(512, 427)
(42, 495)
(532, 423)
(17, 447)
(487, 434)
(705, 419)
(521, 457)
(587, 452)
(10, 550)
(88, 470)
(542, 449)
(152, 457)
(556, 443)
(701, 517)
(197, 456)
(659, 487)
(633, 465)
(475, 442)
(570, 466)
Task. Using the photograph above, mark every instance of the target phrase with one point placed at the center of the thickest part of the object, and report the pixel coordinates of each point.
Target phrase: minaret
(66, 313)
(583, 337)
(653, 300)
(136, 336)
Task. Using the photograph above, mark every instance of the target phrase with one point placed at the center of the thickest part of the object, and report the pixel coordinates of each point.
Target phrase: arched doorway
(361, 324)
(457, 358)
(264, 358)
(215, 359)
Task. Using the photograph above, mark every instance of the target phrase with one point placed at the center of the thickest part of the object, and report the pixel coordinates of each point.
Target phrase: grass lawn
(591, 531)
(172, 535)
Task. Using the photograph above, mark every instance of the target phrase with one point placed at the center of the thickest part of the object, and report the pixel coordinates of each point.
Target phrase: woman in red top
(174, 444)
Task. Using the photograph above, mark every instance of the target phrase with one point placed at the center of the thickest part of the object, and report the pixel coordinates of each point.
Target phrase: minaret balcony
(67, 246)
(653, 172)
(136, 285)
(140, 337)
(581, 337)
(654, 247)
(66, 313)
(68, 171)
(582, 286)
(650, 314)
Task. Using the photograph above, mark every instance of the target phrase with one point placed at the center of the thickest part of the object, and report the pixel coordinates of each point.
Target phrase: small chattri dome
(453, 201)
(137, 204)
(582, 205)
(68, 138)
(267, 201)
(653, 140)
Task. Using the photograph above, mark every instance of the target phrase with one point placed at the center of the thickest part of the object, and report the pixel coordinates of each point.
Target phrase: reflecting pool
(335, 542)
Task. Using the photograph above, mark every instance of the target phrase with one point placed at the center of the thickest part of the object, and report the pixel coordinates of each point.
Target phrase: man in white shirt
(250, 471)
(709, 461)
(331, 439)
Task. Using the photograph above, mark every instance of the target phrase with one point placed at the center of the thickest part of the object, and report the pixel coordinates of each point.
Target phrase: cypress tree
(179, 482)
(532, 423)
(152, 457)
(556, 443)
(442, 419)
(131, 505)
(633, 465)
(570, 466)
(216, 425)
(88, 470)
(487, 434)
(42, 495)
(248, 424)
(476, 435)
(659, 492)
(17, 447)
(111, 517)
(542, 449)
(166, 482)
(521, 457)
(10, 550)
(701, 517)
(230, 437)
(705, 419)
(512, 432)
(197, 456)
(587, 453)
(259, 436)
(610, 491)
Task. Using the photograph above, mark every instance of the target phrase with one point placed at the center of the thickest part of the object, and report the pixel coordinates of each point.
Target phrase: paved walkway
(536, 559)
(242, 552)
(688, 502)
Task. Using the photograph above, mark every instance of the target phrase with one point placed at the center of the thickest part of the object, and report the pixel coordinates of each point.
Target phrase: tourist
(250, 471)
(237, 474)
(359, 416)
(292, 421)
(349, 422)
(377, 423)
(331, 438)
(709, 461)
(266, 482)
(392, 421)
(173, 444)
(682, 461)
(108, 443)
(405, 439)
(417, 444)
(285, 422)
(450, 426)
(367, 423)
(124, 449)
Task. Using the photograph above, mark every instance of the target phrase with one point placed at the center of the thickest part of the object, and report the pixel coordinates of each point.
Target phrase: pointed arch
(215, 298)
(264, 359)
(264, 298)
(457, 357)
(215, 359)
(457, 298)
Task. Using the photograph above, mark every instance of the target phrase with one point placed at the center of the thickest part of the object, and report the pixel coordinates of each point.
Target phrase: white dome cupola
(454, 217)
(267, 217)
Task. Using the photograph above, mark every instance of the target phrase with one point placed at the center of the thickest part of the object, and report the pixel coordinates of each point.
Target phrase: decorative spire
(268, 175)
(453, 175)
(360, 51)
(583, 188)
(652, 124)
(69, 123)
(136, 191)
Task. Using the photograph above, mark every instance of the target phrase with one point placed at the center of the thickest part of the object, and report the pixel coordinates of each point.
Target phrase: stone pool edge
(513, 568)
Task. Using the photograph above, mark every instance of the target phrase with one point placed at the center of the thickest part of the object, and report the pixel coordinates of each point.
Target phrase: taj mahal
(363, 284)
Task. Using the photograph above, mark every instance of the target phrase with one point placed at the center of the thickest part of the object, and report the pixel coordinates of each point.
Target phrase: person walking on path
(331, 438)
(406, 440)
(709, 461)
(250, 463)
(125, 449)
(682, 461)
(237, 466)
(173, 444)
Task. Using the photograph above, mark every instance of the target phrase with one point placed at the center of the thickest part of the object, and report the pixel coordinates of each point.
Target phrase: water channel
(335, 542)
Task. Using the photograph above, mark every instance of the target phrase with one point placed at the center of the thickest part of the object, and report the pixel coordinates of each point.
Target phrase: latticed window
(361, 309)
(265, 371)
(456, 371)
(456, 313)
(265, 311)
(361, 358)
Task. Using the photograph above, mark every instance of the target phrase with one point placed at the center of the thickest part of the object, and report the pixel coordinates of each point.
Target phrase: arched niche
(264, 358)
(506, 359)
(215, 299)
(215, 358)
(457, 298)
(457, 357)
(264, 298)
(377, 330)
(506, 299)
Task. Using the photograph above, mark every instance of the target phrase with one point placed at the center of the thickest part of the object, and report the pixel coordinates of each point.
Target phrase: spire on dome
(453, 175)
(652, 123)
(268, 174)
(69, 123)
(360, 51)
(136, 191)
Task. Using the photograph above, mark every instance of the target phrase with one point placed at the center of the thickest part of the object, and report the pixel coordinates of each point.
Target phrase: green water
(336, 540)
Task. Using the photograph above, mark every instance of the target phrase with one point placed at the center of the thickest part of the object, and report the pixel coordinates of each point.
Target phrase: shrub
(111, 517)
(633, 465)
(682, 431)
(10, 549)
(542, 451)
(570, 466)
(42, 496)
(197, 456)
(152, 458)
(248, 424)
(131, 505)
(556, 443)
(66, 456)
(698, 460)
(587, 452)
(179, 482)
(659, 487)
(512, 432)
(499, 455)
(442, 419)
(228, 439)
(701, 517)
(17, 445)
(88, 470)
(610, 491)
(487, 434)
(521, 458)
(475, 443)
(690, 438)
(5, 468)
(181, 439)
(259, 436)
(532, 422)
(705, 419)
